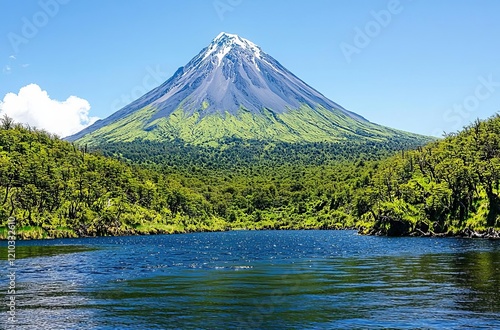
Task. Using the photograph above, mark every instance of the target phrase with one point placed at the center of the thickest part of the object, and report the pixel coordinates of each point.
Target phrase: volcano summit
(233, 89)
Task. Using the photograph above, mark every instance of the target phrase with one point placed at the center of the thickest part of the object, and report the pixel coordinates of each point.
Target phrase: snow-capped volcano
(232, 88)
(234, 73)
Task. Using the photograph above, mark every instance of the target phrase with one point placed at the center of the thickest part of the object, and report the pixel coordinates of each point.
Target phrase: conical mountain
(233, 89)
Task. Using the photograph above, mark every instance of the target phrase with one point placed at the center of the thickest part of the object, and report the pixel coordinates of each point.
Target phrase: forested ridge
(57, 189)
(53, 189)
(447, 187)
(236, 153)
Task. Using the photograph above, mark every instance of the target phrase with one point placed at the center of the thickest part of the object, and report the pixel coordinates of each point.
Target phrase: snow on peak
(224, 42)
(234, 38)
(223, 35)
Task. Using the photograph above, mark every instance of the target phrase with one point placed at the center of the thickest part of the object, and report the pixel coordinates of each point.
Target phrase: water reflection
(33, 251)
(266, 280)
(479, 274)
(396, 291)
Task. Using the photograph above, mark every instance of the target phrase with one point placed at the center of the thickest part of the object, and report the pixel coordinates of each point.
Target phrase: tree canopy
(58, 189)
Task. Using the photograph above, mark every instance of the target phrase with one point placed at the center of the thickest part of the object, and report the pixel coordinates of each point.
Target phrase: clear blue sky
(419, 70)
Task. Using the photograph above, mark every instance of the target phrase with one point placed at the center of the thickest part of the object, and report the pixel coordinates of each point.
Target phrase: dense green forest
(237, 153)
(57, 189)
(450, 186)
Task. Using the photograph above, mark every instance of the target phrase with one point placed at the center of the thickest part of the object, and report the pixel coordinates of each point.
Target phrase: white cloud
(7, 69)
(33, 106)
(12, 57)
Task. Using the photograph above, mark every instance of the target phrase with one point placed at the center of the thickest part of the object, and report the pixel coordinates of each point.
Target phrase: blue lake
(256, 280)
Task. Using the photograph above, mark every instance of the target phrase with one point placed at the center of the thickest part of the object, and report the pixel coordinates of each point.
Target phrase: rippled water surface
(256, 280)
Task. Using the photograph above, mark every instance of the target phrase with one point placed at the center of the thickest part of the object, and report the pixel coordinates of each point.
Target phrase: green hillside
(55, 189)
(300, 125)
(447, 187)
(450, 186)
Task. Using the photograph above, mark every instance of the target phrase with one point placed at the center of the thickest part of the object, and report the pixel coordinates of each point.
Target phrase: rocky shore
(490, 233)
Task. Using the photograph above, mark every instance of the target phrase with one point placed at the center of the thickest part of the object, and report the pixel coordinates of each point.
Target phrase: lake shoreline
(490, 233)
(38, 234)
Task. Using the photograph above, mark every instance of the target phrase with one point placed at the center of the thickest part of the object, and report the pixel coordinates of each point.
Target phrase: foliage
(55, 190)
(304, 124)
(58, 189)
(445, 187)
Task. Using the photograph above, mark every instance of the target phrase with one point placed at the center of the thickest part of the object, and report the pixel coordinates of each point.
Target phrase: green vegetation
(299, 125)
(450, 186)
(57, 189)
(238, 154)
